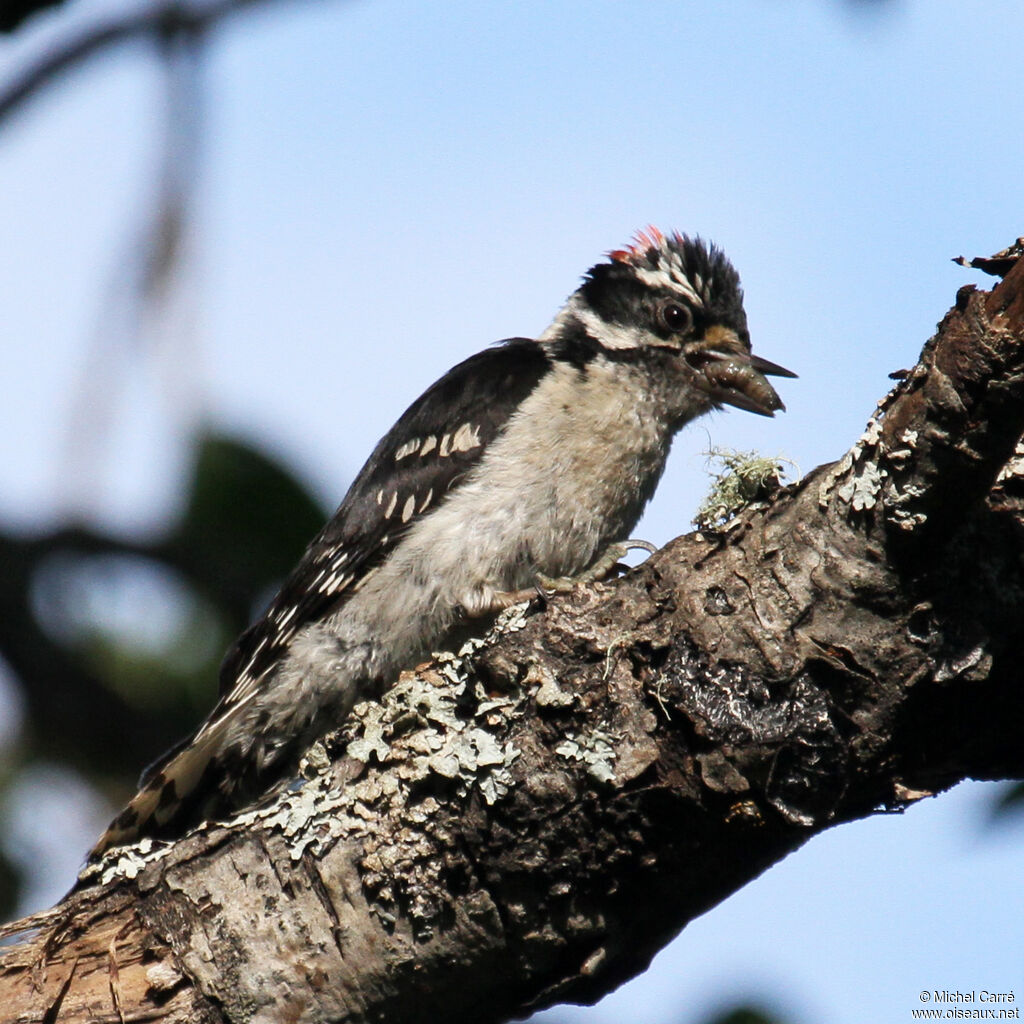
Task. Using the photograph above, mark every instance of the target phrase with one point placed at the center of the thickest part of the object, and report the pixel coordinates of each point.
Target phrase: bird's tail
(173, 794)
(203, 776)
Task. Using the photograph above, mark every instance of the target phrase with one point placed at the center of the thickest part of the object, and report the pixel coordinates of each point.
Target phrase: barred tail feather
(190, 784)
(171, 793)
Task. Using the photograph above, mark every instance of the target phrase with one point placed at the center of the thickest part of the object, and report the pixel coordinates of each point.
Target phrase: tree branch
(531, 821)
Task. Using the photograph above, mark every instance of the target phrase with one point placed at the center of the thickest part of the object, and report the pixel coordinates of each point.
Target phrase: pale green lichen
(415, 730)
(866, 474)
(595, 751)
(549, 694)
(1014, 466)
(861, 490)
(743, 479)
(867, 442)
(127, 862)
(898, 514)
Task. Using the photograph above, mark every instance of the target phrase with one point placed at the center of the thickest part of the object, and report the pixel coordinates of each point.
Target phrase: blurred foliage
(114, 644)
(246, 521)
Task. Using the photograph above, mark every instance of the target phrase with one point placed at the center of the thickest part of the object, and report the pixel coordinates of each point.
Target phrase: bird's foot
(546, 586)
(609, 561)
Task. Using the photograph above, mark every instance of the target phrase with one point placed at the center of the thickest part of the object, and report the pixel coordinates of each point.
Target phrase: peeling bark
(532, 820)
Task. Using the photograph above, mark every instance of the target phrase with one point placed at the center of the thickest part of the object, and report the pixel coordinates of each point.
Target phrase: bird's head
(672, 302)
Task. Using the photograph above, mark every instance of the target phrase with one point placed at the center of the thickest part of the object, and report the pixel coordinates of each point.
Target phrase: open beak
(733, 376)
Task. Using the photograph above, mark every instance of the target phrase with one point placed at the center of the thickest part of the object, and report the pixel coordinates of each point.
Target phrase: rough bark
(531, 821)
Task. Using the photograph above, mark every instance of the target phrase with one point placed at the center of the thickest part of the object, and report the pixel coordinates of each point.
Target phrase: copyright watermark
(965, 1004)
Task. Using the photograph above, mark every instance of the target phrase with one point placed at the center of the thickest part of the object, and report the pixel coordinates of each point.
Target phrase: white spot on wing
(380, 497)
(429, 444)
(427, 499)
(446, 446)
(465, 438)
(391, 505)
(409, 508)
(407, 449)
(335, 582)
(248, 668)
(284, 615)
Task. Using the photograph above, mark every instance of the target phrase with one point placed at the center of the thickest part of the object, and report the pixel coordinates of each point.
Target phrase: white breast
(569, 476)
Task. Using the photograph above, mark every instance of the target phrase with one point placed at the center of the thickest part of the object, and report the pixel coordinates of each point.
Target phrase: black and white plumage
(523, 462)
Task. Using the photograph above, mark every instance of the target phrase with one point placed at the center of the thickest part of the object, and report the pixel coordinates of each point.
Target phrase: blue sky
(387, 187)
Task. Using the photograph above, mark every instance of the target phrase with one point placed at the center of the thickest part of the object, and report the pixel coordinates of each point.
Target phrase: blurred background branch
(166, 24)
(14, 12)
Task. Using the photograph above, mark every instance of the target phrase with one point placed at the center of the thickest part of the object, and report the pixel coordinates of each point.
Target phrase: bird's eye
(677, 318)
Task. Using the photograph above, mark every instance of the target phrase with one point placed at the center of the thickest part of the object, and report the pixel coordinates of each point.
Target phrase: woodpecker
(523, 464)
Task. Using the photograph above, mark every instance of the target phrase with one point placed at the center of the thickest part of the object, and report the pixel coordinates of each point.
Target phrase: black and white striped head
(670, 295)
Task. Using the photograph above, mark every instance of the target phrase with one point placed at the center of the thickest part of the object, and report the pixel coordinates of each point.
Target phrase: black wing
(435, 442)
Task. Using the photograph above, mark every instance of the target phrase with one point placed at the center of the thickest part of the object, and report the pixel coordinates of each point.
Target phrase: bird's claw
(608, 562)
(547, 586)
